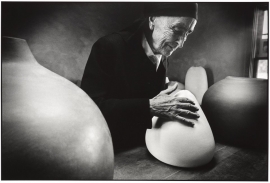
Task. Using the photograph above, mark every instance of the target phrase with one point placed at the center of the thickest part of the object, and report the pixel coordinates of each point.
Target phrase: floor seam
(172, 174)
(220, 149)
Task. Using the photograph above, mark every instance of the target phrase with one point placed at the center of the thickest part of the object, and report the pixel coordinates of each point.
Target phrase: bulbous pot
(237, 111)
(51, 129)
(178, 144)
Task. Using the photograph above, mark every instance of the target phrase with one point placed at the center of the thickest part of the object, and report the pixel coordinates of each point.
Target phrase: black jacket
(121, 79)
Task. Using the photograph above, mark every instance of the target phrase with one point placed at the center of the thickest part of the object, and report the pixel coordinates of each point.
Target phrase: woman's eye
(177, 31)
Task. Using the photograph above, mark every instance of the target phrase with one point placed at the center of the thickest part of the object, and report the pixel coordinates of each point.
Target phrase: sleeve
(127, 118)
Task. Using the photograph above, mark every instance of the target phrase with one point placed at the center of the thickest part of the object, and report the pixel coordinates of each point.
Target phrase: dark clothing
(121, 79)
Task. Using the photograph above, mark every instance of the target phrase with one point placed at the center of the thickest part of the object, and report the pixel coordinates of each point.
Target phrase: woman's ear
(151, 23)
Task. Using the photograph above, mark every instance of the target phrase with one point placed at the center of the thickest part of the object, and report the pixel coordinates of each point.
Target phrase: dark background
(61, 35)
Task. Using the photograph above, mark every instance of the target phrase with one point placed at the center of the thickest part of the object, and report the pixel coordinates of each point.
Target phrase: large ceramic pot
(237, 111)
(51, 129)
(178, 144)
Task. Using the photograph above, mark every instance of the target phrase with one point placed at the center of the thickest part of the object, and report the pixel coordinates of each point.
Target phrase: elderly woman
(125, 73)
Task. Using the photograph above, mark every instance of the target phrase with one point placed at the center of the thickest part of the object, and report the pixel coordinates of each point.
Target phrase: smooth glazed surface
(180, 86)
(237, 110)
(196, 82)
(50, 128)
(177, 144)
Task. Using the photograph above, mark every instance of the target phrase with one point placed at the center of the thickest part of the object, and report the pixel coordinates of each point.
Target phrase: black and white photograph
(134, 91)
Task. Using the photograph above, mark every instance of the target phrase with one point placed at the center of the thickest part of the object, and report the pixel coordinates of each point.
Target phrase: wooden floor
(229, 163)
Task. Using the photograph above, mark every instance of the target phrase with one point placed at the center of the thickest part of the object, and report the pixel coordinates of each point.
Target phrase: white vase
(196, 82)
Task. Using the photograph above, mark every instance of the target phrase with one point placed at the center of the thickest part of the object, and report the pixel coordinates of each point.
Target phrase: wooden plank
(229, 163)
(244, 166)
(225, 152)
(221, 152)
(139, 164)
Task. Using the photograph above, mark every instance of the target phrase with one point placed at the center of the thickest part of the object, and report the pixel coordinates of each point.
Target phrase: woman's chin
(167, 51)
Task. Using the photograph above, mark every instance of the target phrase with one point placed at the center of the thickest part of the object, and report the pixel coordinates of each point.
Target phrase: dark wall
(221, 42)
(61, 35)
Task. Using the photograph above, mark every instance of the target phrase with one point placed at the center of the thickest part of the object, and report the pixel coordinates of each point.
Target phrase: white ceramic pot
(51, 129)
(177, 144)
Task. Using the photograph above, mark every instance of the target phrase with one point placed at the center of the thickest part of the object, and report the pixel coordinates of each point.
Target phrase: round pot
(237, 111)
(51, 129)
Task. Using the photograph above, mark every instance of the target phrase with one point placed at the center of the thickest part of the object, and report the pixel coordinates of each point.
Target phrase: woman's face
(170, 33)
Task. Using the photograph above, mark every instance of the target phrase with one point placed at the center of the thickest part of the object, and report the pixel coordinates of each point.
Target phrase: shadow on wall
(210, 76)
(61, 35)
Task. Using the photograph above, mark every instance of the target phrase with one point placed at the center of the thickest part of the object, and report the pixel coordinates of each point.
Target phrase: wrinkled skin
(167, 106)
(168, 34)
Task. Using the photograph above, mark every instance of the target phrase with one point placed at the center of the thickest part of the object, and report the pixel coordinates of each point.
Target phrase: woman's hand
(175, 108)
